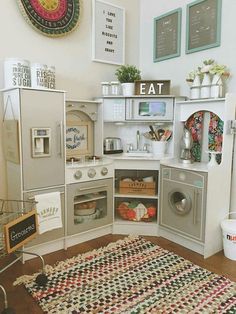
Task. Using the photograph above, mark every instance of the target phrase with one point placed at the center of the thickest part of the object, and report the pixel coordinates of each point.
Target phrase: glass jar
(115, 88)
(105, 88)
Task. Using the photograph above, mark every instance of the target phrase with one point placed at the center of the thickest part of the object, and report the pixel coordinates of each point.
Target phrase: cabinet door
(54, 234)
(42, 109)
(114, 109)
(182, 209)
(89, 205)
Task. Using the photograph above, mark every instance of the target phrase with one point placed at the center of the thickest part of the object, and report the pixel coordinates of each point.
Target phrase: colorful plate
(51, 17)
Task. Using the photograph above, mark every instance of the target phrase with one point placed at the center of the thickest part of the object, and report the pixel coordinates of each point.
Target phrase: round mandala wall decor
(51, 17)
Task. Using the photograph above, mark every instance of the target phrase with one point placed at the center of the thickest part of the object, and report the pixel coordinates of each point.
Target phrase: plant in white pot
(219, 73)
(127, 75)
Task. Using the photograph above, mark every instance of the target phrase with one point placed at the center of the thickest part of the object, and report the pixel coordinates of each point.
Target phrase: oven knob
(91, 173)
(78, 174)
(104, 171)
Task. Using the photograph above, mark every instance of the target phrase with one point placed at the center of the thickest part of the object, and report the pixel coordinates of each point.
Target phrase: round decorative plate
(51, 17)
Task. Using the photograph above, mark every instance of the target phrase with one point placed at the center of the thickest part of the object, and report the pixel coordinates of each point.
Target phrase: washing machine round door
(180, 202)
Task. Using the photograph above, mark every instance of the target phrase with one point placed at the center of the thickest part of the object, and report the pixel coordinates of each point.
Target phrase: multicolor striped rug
(133, 276)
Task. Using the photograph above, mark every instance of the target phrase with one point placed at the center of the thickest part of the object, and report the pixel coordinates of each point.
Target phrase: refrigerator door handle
(60, 139)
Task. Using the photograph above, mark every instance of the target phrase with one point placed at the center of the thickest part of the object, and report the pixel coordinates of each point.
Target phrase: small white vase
(217, 86)
(195, 88)
(127, 89)
(206, 86)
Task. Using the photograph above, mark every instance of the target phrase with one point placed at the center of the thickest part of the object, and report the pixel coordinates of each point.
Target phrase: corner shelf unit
(136, 208)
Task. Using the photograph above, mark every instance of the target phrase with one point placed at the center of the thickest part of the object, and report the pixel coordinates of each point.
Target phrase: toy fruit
(131, 215)
(123, 209)
(151, 210)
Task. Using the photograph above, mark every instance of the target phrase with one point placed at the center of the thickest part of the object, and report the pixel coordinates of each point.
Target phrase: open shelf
(136, 196)
(130, 222)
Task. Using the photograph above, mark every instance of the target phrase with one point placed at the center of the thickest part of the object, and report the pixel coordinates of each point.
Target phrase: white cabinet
(216, 203)
(123, 117)
(114, 109)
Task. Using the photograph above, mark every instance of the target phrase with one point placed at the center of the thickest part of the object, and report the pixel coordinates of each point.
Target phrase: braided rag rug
(133, 276)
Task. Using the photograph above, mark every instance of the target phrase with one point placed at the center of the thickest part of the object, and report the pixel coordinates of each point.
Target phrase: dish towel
(49, 211)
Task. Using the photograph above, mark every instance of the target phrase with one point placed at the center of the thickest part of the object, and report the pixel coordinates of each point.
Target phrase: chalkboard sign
(203, 25)
(167, 35)
(20, 231)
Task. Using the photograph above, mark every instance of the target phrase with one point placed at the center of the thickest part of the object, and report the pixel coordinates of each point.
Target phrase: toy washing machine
(183, 201)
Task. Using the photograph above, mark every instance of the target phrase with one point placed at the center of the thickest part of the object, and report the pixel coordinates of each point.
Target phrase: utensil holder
(158, 148)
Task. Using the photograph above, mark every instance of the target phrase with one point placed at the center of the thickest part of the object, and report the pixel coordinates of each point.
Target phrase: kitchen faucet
(138, 139)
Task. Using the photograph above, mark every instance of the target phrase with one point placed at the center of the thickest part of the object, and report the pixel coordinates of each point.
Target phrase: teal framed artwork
(167, 35)
(203, 25)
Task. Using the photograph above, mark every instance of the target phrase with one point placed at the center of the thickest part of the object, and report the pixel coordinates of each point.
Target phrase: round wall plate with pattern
(51, 17)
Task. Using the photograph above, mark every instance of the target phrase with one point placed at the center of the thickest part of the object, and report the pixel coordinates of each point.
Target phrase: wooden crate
(137, 187)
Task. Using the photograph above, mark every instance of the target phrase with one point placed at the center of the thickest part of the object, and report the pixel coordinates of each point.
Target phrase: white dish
(84, 211)
(148, 179)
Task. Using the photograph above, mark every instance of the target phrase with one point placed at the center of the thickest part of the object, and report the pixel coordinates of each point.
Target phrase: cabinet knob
(91, 173)
(78, 174)
(104, 171)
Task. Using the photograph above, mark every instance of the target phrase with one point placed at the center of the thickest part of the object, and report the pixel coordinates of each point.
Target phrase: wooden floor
(19, 299)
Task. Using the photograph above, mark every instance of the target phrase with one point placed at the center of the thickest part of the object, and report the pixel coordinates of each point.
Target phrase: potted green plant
(127, 75)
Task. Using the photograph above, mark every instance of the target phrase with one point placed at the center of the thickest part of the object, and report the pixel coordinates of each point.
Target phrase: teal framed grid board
(203, 25)
(167, 35)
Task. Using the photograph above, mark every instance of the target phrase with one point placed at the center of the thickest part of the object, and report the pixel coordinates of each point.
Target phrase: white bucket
(229, 237)
(16, 73)
(39, 75)
(159, 148)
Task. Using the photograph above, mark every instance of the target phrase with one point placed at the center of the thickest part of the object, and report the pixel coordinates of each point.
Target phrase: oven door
(89, 205)
(150, 109)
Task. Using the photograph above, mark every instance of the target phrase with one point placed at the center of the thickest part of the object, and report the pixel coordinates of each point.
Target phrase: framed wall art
(167, 35)
(51, 18)
(203, 25)
(78, 138)
(108, 33)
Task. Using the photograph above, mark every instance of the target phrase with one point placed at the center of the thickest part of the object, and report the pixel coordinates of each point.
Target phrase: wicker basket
(137, 187)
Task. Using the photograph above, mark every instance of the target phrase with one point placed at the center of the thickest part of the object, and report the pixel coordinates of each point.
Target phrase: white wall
(176, 69)
(71, 54)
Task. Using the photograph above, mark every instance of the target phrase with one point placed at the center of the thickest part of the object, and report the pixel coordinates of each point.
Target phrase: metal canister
(51, 77)
(39, 75)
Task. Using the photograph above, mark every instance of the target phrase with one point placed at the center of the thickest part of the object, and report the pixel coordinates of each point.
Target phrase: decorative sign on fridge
(203, 25)
(108, 33)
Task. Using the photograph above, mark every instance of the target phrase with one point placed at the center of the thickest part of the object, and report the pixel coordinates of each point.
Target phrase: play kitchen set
(109, 176)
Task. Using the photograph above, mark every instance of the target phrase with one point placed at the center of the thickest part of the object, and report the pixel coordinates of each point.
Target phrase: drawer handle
(91, 187)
